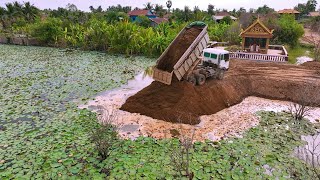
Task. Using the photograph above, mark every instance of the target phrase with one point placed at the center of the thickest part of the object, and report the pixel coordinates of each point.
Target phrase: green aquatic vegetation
(40, 89)
(268, 146)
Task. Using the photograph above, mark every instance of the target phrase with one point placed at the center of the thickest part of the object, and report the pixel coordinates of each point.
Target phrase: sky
(203, 4)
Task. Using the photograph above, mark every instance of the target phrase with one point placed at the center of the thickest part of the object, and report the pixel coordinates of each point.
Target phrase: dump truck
(189, 58)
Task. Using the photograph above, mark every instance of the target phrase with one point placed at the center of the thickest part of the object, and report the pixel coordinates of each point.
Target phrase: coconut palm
(3, 17)
(30, 11)
(148, 6)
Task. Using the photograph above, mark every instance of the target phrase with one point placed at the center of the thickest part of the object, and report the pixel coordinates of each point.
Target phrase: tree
(169, 4)
(210, 9)
(148, 6)
(187, 13)
(30, 11)
(306, 8)
(49, 31)
(264, 10)
(311, 5)
(71, 7)
(159, 10)
(3, 17)
(289, 30)
(226, 20)
(143, 21)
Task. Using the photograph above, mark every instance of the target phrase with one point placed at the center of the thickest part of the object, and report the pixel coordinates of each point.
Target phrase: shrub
(143, 21)
(48, 31)
(226, 20)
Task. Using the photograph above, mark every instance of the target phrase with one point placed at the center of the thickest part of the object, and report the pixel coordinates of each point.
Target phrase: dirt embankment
(178, 48)
(183, 102)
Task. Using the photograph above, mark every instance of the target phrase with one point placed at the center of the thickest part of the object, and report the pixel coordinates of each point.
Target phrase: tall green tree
(264, 10)
(30, 11)
(289, 31)
(148, 6)
(3, 17)
(306, 8)
(210, 9)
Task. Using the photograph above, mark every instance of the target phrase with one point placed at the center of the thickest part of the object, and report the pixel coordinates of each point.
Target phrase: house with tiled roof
(314, 14)
(156, 21)
(289, 11)
(135, 13)
(220, 15)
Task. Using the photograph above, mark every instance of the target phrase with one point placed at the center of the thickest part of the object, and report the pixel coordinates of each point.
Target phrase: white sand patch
(303, 59)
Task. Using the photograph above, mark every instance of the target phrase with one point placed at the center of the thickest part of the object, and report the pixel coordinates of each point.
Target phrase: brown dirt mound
(183, 102)
(178, 48)
(312, 64)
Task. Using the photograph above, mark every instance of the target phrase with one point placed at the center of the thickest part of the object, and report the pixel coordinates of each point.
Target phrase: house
(135, 13)
(256, 38)
(314, 14)
(156, 21)
(219, 16)
(289, 11)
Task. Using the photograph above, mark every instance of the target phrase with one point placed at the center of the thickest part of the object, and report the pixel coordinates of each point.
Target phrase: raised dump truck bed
(182, 54)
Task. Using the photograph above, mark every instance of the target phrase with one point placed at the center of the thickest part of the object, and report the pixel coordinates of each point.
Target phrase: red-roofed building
(156, 21)
(135, 13)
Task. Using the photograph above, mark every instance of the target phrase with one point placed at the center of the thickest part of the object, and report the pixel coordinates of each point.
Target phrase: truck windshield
(226, 57)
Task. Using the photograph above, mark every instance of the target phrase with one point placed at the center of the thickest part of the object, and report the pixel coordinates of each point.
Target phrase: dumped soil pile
(182, 102)
(178, 48)
(312, 65)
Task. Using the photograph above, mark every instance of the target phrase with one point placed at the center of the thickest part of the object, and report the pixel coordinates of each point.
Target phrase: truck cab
(216, 57)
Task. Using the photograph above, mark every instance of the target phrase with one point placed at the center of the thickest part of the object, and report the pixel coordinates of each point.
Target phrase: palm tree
(148, 6)
(18, 8)
(30, 11)
(169, 4)
(10, 13)
(3, 17)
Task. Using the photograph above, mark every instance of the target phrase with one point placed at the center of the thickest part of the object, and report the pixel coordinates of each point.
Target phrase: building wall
(134, 18)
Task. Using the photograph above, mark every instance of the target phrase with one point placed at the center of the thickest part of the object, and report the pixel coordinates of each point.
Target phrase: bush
(104, 138)
(48, 31)
(143, 21)
(226, 20)
(232, 34)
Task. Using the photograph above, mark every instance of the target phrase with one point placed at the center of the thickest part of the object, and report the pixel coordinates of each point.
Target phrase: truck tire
(201, 79)
(192, 80)
(221, 74)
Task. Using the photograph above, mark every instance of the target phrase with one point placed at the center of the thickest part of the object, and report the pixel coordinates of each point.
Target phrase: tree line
(111, 30)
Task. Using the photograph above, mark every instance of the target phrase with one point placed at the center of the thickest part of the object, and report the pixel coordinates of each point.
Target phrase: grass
(298, 51)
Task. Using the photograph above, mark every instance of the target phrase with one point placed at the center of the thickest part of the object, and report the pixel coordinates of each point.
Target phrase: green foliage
(105, 138)
(298, 51)
(48, 31)
(232, 34)
(143, 21)
(217, 31)
(226, 20)
(289, 30)
(306, 8)
(264, 10)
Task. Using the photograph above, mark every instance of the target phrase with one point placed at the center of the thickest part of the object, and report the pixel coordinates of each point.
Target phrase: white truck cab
(216, 56)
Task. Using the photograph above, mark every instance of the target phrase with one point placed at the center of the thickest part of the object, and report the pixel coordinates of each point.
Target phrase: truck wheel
(221, 74)
(192, 80)
(201, 79)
